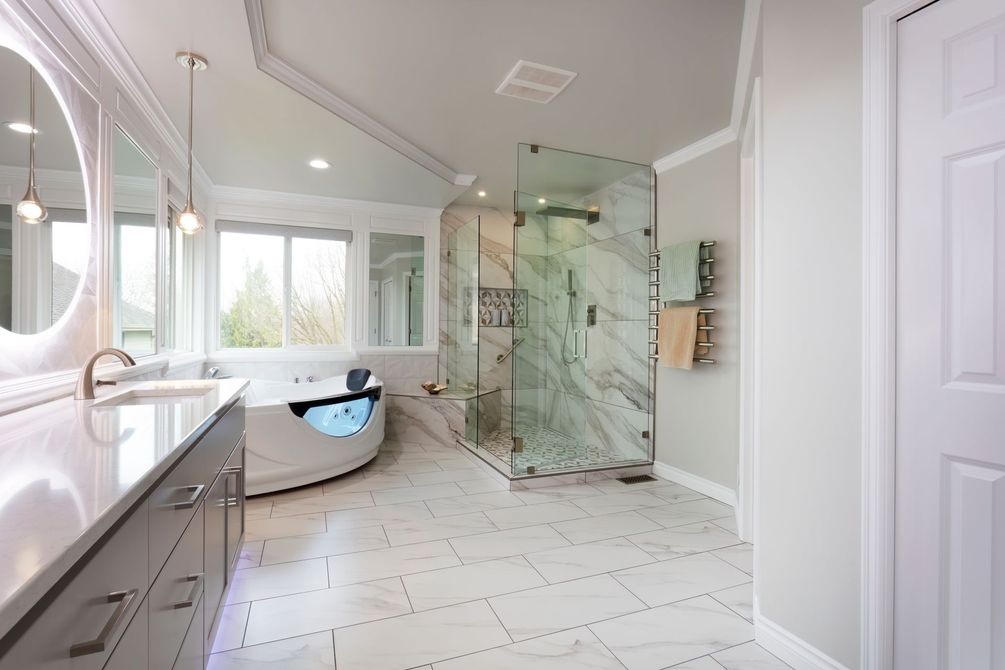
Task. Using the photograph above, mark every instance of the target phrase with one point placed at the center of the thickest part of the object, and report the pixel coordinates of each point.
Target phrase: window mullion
(287, 288)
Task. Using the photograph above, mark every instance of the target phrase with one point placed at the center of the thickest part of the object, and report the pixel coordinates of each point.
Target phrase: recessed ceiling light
(320, 164)
(541, 201)
(481, 194)
(19, 127)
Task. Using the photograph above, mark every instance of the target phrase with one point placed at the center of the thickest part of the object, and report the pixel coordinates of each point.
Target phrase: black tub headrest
(357, 379)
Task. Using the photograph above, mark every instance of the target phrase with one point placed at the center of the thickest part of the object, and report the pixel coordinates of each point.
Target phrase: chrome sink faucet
(85, 382)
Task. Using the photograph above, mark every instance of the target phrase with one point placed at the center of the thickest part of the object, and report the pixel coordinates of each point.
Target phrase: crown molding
(88, 20)
(744, 67)
(226, 196)
(282, 71)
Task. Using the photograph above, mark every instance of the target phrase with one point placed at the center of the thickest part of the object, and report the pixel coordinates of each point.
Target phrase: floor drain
(636, 479)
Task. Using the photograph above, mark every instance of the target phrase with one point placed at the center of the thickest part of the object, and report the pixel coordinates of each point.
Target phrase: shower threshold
(548, 452)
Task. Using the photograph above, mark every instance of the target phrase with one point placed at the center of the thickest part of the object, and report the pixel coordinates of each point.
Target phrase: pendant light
(189, 220)
(30, 209)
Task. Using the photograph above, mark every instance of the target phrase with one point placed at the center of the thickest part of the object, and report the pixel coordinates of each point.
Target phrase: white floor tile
(703, 663)
(418, 639)
(546, 494)
(749, 656)
(457, 473)
(455, 462)
(308, 491)
(410, 532)
(532, 515)
(278, 580)
(612, 485)
(482, 485)
(307, 652)
(727, 523)
(340, 541)
(263, 529)
(675, 633)
(323, 503)
(374, 516)
(258, 509)
(365, 566)
(553, 608)
(680, 514)
(506, 543)
(405, 468)
(618, 502)
(680, 578)
(360, 483)
(230, 633)
(683, 540)
(591, 529)
(251, 554)
(450, 586)
(392, 496)
(741, 555)
(740, 599)
(479, 502)
(675, 493)
(576, 649)
(312, 612)
(584, 560)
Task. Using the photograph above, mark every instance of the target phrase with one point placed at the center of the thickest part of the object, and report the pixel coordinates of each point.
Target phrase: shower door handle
(575, 343)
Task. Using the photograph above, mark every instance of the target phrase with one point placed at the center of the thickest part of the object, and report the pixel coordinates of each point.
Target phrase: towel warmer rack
(705, 276)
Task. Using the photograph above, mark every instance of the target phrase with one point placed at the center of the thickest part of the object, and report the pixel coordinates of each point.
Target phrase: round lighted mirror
(44, 235)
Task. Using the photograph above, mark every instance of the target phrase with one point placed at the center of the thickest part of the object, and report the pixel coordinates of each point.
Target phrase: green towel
(679, 271)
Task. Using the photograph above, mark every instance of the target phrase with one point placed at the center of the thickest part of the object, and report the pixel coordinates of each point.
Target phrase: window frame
(287, 233)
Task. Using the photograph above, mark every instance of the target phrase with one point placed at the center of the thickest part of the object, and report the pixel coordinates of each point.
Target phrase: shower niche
(552, 319)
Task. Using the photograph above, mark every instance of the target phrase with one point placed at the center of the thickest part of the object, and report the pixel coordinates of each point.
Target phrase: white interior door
(950, 454)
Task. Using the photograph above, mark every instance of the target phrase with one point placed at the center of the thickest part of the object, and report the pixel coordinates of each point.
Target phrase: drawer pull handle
(192, 499)
(124, 600)
(193, 595)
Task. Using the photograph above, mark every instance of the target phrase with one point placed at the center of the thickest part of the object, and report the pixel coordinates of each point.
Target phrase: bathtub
(299, 434)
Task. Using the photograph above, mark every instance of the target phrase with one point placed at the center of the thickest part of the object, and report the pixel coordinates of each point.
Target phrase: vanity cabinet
(147, 597)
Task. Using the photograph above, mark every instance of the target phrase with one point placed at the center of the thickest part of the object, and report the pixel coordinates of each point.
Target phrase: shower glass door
(581, 375)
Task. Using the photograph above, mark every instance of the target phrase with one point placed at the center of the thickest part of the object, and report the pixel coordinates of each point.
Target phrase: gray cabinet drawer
(192, 655)
(83, 623)
(131, 651)
(175, 594)
(174, 501)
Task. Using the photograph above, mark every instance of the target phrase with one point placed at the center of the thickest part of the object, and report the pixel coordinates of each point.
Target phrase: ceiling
(653, 76)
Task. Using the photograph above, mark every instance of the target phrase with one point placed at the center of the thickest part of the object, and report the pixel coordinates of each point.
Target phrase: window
(135, 249)
(179, 281)
(282, 286)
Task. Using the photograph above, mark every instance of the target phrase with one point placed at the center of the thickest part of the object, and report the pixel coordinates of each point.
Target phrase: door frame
(751, 262)
(879, 304)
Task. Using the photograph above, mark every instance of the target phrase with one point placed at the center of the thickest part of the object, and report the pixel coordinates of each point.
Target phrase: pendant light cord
(191, 77)
(31, 122)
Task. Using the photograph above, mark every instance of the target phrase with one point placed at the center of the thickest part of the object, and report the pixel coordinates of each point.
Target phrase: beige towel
(677, 334)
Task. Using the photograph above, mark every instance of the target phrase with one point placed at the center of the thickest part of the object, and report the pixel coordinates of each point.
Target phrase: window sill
(259, 355)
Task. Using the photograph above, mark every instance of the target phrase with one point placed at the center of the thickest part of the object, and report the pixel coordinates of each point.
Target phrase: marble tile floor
(419, 561)
(546, 450)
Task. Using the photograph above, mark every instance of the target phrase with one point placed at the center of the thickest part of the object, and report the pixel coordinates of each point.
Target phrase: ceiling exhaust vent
(535, 82)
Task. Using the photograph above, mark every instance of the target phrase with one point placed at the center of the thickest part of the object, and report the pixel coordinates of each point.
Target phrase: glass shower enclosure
(551, 334)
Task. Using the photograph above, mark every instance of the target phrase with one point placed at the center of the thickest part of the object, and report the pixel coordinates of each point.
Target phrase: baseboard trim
(709, 488)
(791, 649)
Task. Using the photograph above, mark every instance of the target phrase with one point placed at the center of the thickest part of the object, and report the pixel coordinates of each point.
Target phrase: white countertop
(69, 469)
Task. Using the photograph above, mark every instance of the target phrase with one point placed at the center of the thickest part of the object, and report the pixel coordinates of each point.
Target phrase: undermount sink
(159, 393)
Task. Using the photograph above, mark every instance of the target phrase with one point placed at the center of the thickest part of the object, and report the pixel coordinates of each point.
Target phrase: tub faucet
(85, 382)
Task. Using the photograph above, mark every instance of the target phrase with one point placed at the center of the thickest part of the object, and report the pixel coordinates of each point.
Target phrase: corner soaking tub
(303, 433)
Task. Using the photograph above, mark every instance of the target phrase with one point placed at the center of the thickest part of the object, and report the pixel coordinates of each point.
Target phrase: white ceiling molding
(91, 23)
(745, 62)
(226, 198)
(280, 70)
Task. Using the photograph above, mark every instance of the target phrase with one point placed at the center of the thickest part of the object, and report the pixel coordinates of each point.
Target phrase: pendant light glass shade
(190, 221)
(31, 210)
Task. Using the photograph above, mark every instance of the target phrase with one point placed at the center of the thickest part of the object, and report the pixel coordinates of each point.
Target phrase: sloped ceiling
(654, 76)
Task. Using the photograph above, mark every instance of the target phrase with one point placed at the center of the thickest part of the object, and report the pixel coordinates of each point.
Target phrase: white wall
(809, 489)
(697, 411)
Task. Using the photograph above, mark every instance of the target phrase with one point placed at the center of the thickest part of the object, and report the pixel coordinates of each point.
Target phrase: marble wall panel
(424, 420)
(617, 368)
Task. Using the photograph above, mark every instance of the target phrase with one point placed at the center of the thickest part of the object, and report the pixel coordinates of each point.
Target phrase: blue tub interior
(338, 417)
